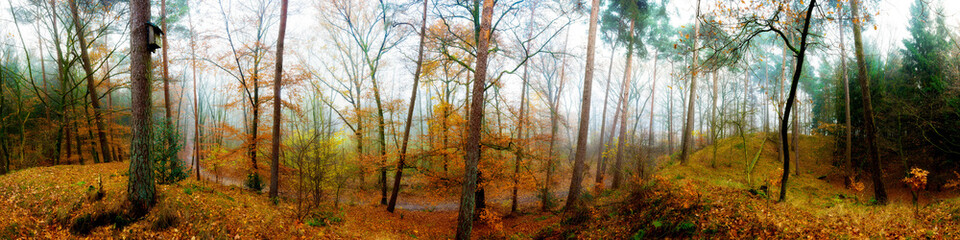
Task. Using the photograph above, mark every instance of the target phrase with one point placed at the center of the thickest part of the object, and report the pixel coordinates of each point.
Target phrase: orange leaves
(917, 179)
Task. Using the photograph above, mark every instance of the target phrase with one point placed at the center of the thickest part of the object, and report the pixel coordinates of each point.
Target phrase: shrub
(167, 166)
(325, 218)
(254, 182)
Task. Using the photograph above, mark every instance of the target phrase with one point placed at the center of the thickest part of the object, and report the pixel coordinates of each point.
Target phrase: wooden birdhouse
(153, 39)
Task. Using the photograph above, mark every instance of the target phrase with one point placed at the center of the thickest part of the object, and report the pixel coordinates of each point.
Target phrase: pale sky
(891, 21)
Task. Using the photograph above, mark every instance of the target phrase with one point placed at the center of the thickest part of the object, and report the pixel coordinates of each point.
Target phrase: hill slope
(715, 199)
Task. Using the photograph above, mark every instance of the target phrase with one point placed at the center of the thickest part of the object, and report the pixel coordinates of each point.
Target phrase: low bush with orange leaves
(917, 180)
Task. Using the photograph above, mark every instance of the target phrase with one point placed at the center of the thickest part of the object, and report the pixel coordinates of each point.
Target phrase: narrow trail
(408, 202)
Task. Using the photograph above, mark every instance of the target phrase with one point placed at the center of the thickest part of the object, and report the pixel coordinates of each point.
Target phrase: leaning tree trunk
(472, 144)
(601, 148)
(573, 196)
(277, 104)
(784, 122)
(91, 86)
(413, 101)
(140, 187)
(873, 154)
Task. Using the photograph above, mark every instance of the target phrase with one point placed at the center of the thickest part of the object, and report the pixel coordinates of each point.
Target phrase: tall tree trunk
(627, 73)
(255, 124)
(91, 86)
(413, 102)
(359, 135)
(848, 128)
(140, 187)
(873, 154)
(685, 150)
(579, 165)
(518, 161)
(554, 105)
(197, 139)
(784, 122)
(713, 121)
(381, 134)
(166, 72)
(670, 118)
(601, 148)
(783, 77)
(277, 104)
(796, 137)
(76, 128)
(472, 144)
(653, 92)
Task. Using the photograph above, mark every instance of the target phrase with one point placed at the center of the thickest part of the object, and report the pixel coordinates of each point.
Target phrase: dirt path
(405, 201)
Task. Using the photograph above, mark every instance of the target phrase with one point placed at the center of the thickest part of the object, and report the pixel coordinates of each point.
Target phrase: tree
(413, 100)
(168, 116)
(91, 86)
(694, 70)
(140, 187)
(573, 196)
(277, 100)
(250, 87)
(601, 160)
(371, 36)
(196, 100)
(625, 19)
(784, 122)
(873, 154)
(848, 128)
(729, 48)
(482, 34)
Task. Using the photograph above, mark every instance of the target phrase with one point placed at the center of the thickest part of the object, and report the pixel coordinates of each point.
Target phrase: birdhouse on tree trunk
(153, 38)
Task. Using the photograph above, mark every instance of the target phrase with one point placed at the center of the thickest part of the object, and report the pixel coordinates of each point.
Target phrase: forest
(479, 119)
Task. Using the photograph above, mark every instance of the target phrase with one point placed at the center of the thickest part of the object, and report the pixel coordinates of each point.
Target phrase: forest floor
(59, 202)
(716, 200)
(702, 199)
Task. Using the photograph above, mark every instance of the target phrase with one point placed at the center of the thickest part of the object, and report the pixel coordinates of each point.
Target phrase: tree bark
(685, 150)
(873, 154)
(413, 100)
(140, 187)
(670, 134)
(579, 167)
(627, 74)
(166, 71)
(472, 145)
(277, 105)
